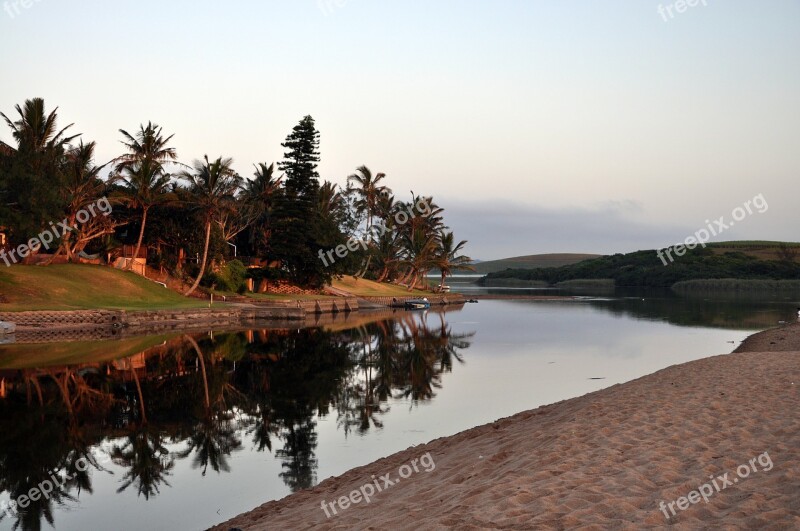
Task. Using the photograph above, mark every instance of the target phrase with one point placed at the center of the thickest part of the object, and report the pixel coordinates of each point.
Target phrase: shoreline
(104, 323)
(607, 459)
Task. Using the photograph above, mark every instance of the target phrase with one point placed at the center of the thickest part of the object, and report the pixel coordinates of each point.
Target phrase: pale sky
(555, 126)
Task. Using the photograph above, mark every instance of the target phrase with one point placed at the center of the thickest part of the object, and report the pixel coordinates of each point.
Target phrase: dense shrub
(230, 277)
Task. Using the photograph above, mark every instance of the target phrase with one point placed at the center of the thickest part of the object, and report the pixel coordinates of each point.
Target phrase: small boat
(417, 304)
(443, 289)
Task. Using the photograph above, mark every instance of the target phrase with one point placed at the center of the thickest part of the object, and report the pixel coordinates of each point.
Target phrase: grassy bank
(86, 287)
(360, 287)
(83, 287)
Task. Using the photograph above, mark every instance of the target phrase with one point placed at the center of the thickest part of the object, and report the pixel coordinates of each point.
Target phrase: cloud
(500, 229)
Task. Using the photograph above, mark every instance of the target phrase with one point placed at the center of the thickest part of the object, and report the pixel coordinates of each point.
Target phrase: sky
(540, 126)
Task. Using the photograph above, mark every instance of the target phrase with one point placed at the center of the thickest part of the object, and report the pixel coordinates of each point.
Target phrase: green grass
(83, 287)
(41, 355)
(368, 288)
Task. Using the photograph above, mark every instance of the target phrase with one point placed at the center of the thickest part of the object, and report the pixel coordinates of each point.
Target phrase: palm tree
(142, 171)
(368, 191)
(35, 132)
(420, 248)
(259, 196)
(212, 186)
(31, 177)
(330, 201)
(261, 189)
(447, 258)
(148, 144)
(145, 185)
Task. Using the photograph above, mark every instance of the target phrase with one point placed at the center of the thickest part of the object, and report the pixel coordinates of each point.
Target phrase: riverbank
(94, 325)
(608, 459)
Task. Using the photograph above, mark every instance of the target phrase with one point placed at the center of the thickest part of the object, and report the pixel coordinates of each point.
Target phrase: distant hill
(534, 261)
(767, 261)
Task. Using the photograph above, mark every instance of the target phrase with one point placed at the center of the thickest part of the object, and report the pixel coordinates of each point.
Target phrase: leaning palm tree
(212, 187)
(143, 173)
(447, 258)
(420, 251)
(144, 185)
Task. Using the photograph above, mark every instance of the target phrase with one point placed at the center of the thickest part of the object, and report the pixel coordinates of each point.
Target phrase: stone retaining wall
(48, 319)
(223, 315)
(330, 306)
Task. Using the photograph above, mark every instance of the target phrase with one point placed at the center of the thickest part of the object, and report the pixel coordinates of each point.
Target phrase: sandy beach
(709, 444)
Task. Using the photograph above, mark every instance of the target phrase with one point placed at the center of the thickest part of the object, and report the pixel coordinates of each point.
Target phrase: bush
(231, 277)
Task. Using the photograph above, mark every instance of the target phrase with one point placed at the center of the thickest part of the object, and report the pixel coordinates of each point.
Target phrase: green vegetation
(534, 261)
(83, 287)
(739, 285)
(212, 190)
(231, 278)
(645, 269)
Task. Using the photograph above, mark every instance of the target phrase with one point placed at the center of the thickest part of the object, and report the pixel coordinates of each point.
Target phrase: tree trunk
(68, 251)
(384, 274)
(54, 255)
(366, 267)
(65, 245)
(406, 277)
(139, 243)
(203, 264)
(412, 284)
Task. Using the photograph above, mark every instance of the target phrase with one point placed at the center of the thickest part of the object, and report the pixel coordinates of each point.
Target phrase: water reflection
(736, 310)
(201, 398)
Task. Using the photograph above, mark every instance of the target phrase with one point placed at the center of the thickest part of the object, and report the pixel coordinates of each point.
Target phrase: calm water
(193, 430)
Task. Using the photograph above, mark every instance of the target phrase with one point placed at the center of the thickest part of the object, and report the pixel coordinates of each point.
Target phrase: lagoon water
(260, 414)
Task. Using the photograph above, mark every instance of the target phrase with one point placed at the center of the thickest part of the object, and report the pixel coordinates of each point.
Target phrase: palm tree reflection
(206, 393)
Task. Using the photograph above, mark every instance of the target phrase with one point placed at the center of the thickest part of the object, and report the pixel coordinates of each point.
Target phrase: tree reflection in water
(207, 394)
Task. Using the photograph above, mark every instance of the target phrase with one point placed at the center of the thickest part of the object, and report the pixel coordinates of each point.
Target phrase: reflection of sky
(523, 355)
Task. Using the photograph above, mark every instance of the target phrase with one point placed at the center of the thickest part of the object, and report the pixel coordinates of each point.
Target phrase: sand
(602, 461)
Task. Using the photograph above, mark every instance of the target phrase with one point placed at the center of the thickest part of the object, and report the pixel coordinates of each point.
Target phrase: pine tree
(300, 231)
(300, 160)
